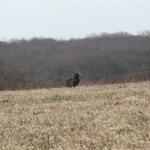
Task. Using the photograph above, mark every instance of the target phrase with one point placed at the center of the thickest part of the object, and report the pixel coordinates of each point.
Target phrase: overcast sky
(71, 18)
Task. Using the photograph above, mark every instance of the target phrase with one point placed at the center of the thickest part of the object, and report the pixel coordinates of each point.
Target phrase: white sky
(71, 18)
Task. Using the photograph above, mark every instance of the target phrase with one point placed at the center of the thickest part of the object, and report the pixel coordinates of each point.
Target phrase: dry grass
(82, 118)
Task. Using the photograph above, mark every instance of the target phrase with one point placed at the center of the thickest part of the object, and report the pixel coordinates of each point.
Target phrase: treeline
(46, 62)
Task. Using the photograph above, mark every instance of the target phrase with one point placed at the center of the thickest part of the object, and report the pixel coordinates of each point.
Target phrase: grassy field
(83, 118)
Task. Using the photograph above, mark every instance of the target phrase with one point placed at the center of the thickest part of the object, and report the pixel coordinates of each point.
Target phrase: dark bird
(73, 82)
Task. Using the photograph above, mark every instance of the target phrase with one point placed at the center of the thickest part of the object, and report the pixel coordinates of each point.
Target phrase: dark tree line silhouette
(46, 62)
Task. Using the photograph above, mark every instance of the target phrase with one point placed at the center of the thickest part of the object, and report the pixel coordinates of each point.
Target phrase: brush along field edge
(86, 117)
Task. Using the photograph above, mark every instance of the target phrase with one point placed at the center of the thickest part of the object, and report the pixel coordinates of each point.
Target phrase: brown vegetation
(38, 63)
(84, 118)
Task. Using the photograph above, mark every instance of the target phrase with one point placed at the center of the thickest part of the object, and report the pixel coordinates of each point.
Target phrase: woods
(46, 62)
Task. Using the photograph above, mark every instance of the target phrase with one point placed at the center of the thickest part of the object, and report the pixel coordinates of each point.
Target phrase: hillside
(41, 63)
(83, 118)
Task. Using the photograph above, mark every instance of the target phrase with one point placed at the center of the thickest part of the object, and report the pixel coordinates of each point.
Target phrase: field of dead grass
(83, 118)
